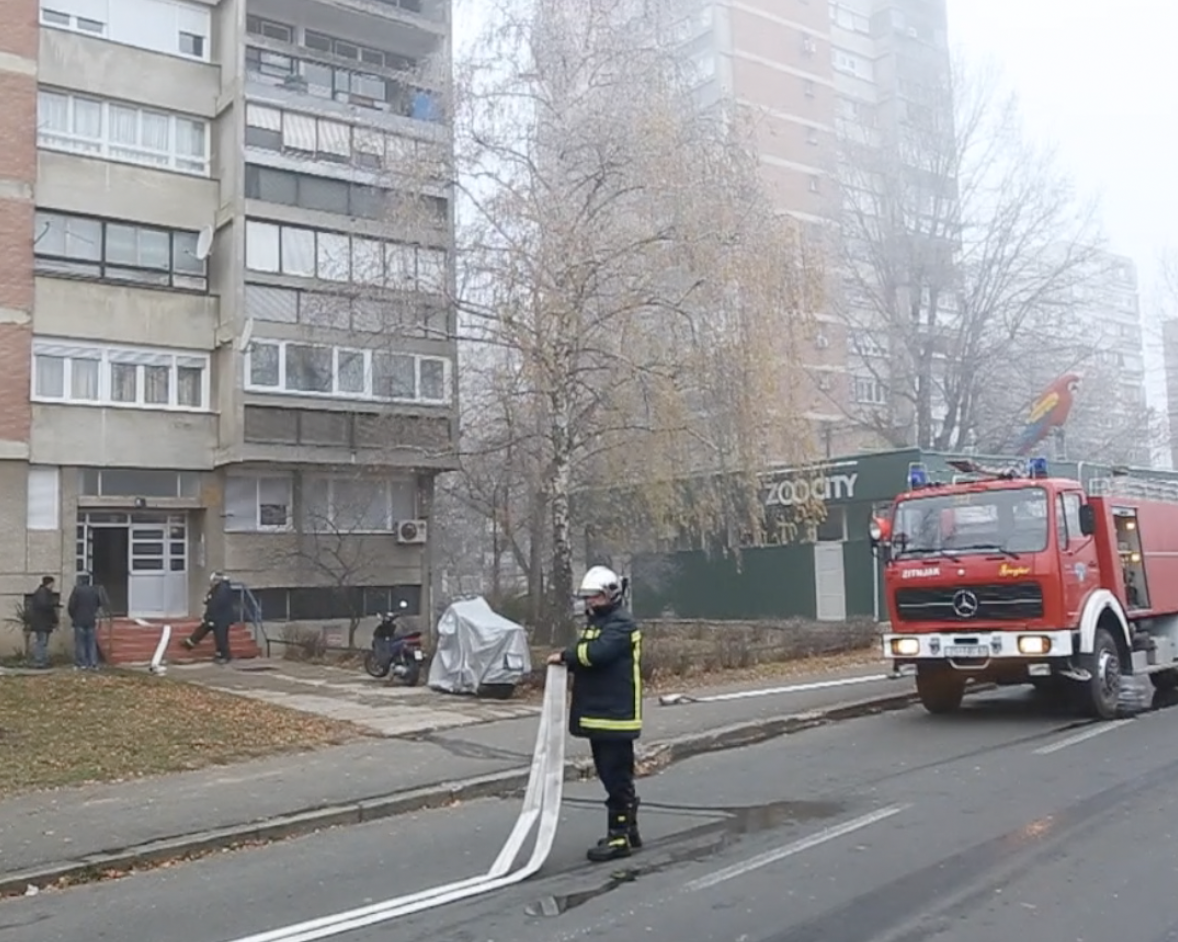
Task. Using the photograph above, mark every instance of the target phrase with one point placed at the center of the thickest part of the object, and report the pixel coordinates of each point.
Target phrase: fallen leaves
(66, 729)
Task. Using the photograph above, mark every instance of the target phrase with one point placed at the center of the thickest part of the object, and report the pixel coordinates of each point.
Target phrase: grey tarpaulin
(475, 647)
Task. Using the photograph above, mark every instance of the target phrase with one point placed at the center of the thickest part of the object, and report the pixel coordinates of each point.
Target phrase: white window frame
(876, 392)
(71, 352)
(103, 148)
(257, 230)
(367, 394)
(53, 18)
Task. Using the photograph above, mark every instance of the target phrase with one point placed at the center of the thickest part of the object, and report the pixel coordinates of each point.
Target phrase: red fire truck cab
(1016, 577)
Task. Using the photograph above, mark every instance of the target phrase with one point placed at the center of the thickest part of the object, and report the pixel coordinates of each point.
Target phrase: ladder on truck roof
(1141, 488)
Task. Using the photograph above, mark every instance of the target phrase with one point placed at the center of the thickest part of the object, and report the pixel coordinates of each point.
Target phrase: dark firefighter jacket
(219, 605)
(606, 664)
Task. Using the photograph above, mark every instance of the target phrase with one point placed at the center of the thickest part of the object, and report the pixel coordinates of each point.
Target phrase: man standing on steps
(606, 664)
(218, 617)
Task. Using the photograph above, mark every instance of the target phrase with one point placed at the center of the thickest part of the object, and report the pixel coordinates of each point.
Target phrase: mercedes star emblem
(965, 603)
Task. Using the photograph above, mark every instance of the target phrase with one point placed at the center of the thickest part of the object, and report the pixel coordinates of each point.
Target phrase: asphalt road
(1004, 821)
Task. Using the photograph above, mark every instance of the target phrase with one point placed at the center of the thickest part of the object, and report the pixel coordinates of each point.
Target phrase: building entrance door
(158, 580)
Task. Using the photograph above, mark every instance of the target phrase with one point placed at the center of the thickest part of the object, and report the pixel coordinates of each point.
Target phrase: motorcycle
(400, 655)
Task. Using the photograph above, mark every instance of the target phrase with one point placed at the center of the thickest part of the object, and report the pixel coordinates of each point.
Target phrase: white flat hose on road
(541, 803)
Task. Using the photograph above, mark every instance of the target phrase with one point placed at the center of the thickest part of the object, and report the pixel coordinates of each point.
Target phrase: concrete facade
(177, 323)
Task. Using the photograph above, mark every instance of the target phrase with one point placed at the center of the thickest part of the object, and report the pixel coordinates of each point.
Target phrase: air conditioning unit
(822, 341)
(412, 532)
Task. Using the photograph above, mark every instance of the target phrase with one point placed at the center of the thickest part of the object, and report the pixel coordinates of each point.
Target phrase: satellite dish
(204, 243)
(247, 334)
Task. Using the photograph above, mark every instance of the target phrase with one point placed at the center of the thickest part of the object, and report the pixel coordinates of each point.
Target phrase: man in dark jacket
(606, 664)
(43, 619)
(218, 617)
(83, 606)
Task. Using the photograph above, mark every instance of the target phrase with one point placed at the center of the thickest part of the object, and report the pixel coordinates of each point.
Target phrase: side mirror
(1087, 519)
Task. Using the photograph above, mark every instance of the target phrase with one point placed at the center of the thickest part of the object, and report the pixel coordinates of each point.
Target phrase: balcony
(390, 25)
(286, 78)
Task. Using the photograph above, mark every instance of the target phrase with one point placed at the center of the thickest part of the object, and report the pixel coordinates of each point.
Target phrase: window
(869, 345)
(270, 29)
(815, 184)
(317, 370)
(870, 391)
(325, 81)
(853, 64)
(120, 252)
(320, 194)
(61, 20)
(171, 27)
(255, 504)
(120, 132)
(321, 139)
(355, 504)
(342, 312)
(335, 256)
(192, 45)
(74, 374)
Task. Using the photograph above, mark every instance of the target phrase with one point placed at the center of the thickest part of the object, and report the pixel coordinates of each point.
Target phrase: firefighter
(607, 704)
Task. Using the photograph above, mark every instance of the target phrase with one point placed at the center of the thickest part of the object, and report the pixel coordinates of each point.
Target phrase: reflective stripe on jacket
(606, 664)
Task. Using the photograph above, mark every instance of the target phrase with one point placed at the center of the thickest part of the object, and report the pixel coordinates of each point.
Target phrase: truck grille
(1002, 602)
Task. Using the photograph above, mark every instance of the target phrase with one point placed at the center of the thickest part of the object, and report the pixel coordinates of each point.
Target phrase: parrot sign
(1050, 411)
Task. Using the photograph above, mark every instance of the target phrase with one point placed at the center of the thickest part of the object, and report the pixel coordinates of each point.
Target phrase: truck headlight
(905, 647)
(1034, 644)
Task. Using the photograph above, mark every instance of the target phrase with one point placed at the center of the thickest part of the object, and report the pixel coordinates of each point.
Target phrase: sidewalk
(108, 825)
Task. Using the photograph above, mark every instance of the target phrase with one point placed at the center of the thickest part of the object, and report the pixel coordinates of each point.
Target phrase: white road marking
(1098, 730)
(672, 699)
(790, 850)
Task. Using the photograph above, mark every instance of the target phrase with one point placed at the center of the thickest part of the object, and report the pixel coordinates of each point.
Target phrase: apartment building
(1102, 341)
(810, 74)
(225, 340)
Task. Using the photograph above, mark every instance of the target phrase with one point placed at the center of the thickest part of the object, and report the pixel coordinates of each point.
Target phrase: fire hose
(541, 807)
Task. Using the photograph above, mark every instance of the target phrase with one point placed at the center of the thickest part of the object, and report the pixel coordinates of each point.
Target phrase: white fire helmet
(601, 580)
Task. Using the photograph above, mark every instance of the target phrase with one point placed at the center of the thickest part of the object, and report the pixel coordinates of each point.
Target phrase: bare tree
(639, 301)
(959, 242)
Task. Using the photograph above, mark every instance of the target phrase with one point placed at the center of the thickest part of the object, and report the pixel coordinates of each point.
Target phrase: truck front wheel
(940, 691)
(1102, 691)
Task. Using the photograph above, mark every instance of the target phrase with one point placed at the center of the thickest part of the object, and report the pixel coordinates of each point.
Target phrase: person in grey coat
(84, 604)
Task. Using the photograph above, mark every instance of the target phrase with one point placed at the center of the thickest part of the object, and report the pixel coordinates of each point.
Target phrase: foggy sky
(1093, 77)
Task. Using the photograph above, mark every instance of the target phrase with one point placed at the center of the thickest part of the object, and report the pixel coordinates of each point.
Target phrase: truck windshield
(1007, 520)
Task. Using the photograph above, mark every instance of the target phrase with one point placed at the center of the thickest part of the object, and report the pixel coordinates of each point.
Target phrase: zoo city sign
(789, 492)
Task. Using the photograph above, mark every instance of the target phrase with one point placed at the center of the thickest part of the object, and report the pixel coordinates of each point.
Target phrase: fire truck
(1015, 577)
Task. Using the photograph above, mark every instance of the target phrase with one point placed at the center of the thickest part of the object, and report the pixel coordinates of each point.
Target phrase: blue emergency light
(917, 476)
(1037, 467)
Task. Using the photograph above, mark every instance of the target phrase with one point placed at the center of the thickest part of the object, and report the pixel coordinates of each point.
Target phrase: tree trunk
(560, 494)
(562, 552)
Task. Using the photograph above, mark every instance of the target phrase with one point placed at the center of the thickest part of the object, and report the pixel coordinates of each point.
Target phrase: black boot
(616, 844)
(632, 821)
(631, 828)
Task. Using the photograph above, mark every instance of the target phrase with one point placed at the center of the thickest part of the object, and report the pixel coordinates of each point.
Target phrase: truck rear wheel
(1102, 692)
(940, 691)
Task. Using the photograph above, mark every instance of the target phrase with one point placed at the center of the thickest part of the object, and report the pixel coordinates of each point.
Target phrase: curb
(496, 785)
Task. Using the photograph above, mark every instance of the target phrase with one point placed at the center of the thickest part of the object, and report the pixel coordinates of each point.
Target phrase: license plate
(418, 656)
(966, 650)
